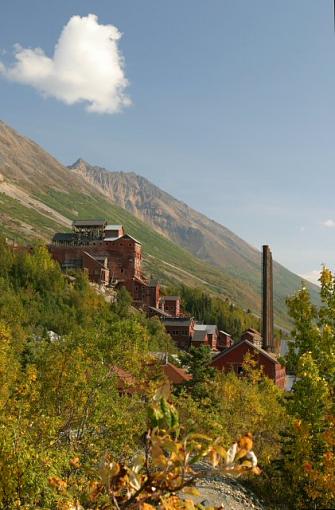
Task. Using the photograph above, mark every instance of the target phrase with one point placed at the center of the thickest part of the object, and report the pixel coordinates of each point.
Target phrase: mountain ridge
(39, 196)
(206, 238)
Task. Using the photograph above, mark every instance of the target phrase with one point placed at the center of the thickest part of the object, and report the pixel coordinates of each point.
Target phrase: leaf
(134, 480)
(196, 436)
(114, 469)
(138, 462)
(193, 491)
(221, 451)
(214, 458)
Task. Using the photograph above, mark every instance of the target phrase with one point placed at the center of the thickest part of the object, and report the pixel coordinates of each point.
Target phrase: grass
(164, 260)
(19, 214)
(160, 253)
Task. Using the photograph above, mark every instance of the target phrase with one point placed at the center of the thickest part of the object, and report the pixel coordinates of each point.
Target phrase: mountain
(201, 236)
(39, 196)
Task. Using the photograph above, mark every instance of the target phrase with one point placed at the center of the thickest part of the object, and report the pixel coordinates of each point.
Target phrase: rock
(218, 489)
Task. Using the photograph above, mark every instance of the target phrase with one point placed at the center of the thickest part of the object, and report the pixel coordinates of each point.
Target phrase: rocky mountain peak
(80, 164)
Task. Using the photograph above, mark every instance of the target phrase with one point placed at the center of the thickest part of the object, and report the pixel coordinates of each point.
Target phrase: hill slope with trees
(39, 196)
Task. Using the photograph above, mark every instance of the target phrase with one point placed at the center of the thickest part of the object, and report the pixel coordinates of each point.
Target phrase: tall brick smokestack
(267, 312)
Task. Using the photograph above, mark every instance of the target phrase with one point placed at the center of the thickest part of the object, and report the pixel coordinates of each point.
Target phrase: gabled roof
(211, 329)
(224, 332)
(253, 346)
(175, 374)
(199, 335)
(127, 236)
(125, 380)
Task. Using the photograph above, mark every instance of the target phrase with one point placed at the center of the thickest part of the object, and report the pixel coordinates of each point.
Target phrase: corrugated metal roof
(200, 327)
(211, 328)
(170, 298)
(113, 227)
(199, 336)
(89, 223)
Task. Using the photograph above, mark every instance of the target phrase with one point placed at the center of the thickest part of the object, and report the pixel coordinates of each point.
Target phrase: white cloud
(329, 223)
(312, 276)
(87, 66)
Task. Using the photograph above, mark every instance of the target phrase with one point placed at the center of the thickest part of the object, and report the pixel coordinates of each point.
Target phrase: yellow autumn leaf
(193, 491)
(146, 506)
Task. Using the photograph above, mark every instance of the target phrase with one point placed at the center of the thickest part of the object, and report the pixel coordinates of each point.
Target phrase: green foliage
(164, 259)
(62, 404)
(197, 361)
(59, 395)
(230, 405)
(156, 476)
(306, 450)
(122, 303)
(214, 310)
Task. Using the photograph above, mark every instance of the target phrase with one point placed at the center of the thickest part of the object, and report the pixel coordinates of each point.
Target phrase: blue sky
(232, 110)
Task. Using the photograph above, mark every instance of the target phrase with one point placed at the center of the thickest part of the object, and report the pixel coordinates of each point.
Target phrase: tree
(156, 476)
(198, 363)
(122, 302)
(311, 405)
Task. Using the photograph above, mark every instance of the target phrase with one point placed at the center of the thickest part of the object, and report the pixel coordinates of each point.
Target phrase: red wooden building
(205, 334)
(108, 255)
(170, 305)
(224, 340)
(232, 359)
(181, 329)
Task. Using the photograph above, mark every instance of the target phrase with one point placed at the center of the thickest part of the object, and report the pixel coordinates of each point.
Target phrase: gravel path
(223, 490)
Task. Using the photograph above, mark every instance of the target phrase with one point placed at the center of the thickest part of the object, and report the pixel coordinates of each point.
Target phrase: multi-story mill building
(108, 254)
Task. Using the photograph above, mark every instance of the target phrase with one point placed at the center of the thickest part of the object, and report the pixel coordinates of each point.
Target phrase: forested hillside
(61, 404)
(64, 408)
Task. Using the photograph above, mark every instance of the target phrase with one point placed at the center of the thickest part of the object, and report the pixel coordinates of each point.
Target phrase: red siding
(180, 334)
(233, 360)
(124, 263)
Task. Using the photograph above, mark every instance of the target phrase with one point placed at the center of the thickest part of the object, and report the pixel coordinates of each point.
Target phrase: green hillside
(164, 259)
(39, 196)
